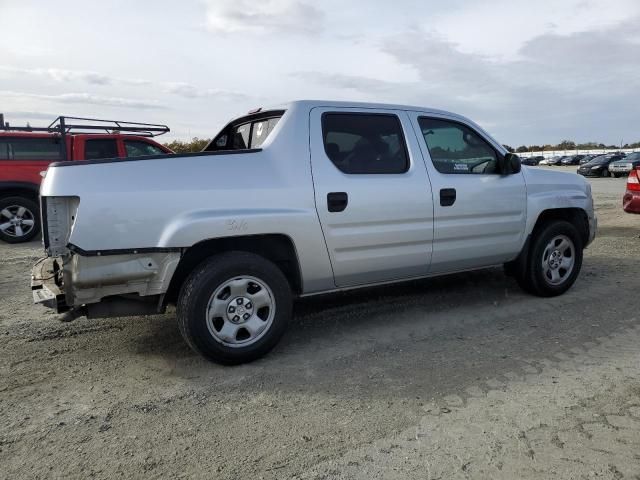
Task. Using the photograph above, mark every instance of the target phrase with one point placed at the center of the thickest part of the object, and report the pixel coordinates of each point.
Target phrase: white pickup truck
(304, 199)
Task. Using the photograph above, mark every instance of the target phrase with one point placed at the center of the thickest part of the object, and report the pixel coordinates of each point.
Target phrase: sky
(529, 72)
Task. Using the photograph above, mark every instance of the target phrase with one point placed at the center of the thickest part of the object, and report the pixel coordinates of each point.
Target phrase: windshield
(632, 157)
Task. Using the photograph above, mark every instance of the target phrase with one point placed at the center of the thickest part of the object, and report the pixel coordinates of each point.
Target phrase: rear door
(372, 194)
(479, 213)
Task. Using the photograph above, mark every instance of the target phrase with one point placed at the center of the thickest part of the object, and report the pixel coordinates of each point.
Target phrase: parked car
(571, 159)
(547, 161)
(530, 161)
(631, 198)
(598, 166)
(625, 165)
(396, 193)
(26, 152)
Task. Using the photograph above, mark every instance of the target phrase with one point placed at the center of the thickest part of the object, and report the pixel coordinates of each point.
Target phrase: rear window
(47, 149)
(245, 133)
(100, 148)
(260, 131)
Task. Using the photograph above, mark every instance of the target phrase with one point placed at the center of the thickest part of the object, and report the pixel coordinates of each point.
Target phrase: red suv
(25, 152)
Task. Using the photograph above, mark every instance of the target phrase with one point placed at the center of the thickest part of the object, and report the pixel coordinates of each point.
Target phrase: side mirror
(510, 164)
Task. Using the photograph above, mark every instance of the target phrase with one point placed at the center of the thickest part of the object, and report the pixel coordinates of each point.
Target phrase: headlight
(596, 167)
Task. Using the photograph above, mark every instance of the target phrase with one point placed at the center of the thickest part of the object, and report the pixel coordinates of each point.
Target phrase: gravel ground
(463, 376)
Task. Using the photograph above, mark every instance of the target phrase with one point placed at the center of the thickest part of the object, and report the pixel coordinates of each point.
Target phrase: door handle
(337, 201)
(447, 197)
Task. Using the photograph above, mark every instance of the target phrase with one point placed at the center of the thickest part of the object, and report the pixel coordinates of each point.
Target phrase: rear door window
(47, 149)
(360, 143)
(100, 148)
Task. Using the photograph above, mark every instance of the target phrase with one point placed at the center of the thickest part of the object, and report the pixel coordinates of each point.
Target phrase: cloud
(85, 98)
(187, 90)
(61, 75)
(349, 82)
(10, 116)
(283, 16)
(555, 86)
(181, 89)
(499, 28)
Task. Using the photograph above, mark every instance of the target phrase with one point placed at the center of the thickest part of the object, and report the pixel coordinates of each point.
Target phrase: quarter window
(241, 137)
(4, 150)
(456, 149)
(47, 149)
(364, 143)
(100, 148)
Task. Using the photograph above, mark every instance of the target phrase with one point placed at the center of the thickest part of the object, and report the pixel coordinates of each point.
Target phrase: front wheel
(18, 219)
(605, 172)
(234, 307)
(554, 262)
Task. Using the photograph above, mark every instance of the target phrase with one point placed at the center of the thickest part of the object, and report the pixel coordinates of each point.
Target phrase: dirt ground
(459, 377)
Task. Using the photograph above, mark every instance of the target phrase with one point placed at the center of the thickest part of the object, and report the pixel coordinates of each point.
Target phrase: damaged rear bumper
(104, 285)
(47, 285)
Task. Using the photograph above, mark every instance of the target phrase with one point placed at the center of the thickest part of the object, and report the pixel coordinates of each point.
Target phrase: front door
(480, 214)
(372, 194)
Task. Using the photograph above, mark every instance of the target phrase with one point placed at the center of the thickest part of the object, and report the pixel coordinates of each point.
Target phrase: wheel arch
(576, 216)
(19, 189)
(278, 248)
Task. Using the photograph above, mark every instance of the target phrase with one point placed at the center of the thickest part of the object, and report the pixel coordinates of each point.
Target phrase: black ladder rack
(64, 125)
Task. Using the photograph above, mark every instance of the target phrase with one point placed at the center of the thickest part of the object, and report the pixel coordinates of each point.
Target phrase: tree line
(568, 145)
(194, 145)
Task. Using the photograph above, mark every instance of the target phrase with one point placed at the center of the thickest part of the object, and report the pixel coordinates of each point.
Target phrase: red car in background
(631, 198)
(25, 152)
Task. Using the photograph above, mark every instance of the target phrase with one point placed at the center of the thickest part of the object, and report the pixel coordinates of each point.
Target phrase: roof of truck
(345, 104)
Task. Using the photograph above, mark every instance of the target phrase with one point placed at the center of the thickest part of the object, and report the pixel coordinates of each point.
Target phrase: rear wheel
(554, 261)
(18, 219)
(234, 307)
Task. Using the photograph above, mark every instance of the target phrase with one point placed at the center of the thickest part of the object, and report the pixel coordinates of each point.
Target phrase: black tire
(12, 234)
(532, 278)
(606, 173)
(198, 291)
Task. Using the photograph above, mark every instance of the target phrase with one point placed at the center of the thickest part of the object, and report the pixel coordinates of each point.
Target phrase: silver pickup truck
(307, 198)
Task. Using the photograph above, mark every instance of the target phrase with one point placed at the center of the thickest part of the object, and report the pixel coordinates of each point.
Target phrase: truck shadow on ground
(370, 339)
